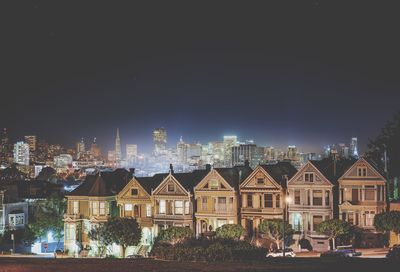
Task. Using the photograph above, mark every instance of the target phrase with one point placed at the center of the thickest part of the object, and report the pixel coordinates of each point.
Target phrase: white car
(279, 253)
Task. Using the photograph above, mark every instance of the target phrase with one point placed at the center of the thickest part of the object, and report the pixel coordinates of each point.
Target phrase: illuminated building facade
(160, 141)
(21, 153)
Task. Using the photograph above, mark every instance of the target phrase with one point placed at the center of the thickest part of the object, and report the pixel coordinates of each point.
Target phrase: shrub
(230, 231)
(304, 243)
(175, 235)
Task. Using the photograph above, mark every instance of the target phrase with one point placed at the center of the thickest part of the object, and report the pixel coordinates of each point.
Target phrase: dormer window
(171, 187)
(362, 171)
(260, 181)
(214, 184)
(134, 191)
(309, 177)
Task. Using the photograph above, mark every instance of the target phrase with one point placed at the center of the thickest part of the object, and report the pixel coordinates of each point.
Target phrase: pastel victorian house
(217, 198)
(262, 194)
(90, 204)
(362, 196)
(135, 201)
(313, 193)
(173, 199)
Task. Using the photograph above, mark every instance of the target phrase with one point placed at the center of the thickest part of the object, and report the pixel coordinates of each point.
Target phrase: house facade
(362, 196)
(262, 195)
(173, 200)
(90, 204)
(217, 198)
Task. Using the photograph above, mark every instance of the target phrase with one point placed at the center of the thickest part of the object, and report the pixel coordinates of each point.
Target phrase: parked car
(332, 254)
(59, 254)
(394, 253)
(135, 256)
(348, 251)
(279, 253)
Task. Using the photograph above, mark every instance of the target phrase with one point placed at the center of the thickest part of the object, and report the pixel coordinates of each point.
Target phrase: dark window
(250, 200)
(327, 199)
(278, 200)
(260, 180)
(354, 194)
(134, 192)
(297, 197)
(309, 177)
(171, 187)
(317, 197)
(268, 200)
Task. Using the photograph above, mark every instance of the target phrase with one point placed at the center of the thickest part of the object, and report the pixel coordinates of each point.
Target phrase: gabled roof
(235, 175)
(150, 183)
(331, 170)
(103, 184)
(279, 170)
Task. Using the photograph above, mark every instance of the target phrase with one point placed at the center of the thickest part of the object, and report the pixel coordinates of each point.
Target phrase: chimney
(171, 168)
(132, 171)
(208, 167)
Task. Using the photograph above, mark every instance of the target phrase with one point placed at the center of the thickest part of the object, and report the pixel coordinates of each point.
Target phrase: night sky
(310, 73)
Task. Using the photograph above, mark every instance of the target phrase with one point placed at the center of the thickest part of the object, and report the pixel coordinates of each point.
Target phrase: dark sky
(303, 72)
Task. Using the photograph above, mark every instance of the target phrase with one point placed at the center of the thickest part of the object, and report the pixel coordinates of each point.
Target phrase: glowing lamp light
(288, 199)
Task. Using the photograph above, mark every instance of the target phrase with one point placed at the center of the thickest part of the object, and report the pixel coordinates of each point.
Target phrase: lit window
(162, 207)
(317, 219)
(309, 177)
(187, 207)
(128, 207)
(148, 210)
(102, 208)
(95, 208)
(178, 207)
(16, 219)
(70, 232)
(75, 207)
(214, 184)
(204, 203)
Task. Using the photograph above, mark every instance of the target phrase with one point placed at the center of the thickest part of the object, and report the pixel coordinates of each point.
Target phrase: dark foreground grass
(103, 265)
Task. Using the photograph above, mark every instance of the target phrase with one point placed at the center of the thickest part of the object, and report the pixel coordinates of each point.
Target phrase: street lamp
(285, 211)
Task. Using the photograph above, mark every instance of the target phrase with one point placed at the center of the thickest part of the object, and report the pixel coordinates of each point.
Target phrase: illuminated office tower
(5, 147)
(160, 141)
(131, 153)
(31, 141)
(229, 142)
(80, 148)
(181, 148)
(117, 148)
(354, 148)
(21, 153)
(292, 152)
(216, 150)
(95, 150)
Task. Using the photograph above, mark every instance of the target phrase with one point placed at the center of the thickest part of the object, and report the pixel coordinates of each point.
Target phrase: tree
(175, 235)
(103, 238)
(387, 140)
(230, 231)
(121, 231)
(334, 228)
(273, 228)
(48, 216)
(388, 221)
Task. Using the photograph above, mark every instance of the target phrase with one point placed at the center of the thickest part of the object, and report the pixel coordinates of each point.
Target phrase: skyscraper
(181, 148)
(160, 141)
(229, 142)
(292, 153)
(131, 153)
(354, 148)
(21, 153)
(117, 148)
(31, 141)
(5, 147)
(80, 149)
(95, 149)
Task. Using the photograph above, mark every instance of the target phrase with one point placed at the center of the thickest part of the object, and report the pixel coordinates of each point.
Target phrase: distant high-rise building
(80, 148)
(292, 153)
(31, 141)
(63, 161)
(229, 142)
(269, 153)
(245, 152)
(216, 149)
(131, 153)
(21, 153)
(181, 150)
(118, 154)
(343, 151)
(160, 141)
(5, 147)
(95, 150)
(354, 148)
(111, 156)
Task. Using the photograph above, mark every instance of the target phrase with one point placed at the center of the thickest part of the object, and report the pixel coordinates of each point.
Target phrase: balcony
(73, 216)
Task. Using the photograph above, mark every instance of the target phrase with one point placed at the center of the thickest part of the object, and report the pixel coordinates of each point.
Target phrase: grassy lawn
(100, 265)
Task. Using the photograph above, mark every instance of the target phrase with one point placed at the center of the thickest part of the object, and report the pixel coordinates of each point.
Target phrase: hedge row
(217, 250)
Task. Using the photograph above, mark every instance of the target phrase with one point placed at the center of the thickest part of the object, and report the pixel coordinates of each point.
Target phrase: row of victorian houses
(204, 200)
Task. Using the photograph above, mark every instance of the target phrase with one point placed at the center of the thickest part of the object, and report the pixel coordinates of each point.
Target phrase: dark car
(333, 254)
(135, 256)
(394, 253)
(350, 252)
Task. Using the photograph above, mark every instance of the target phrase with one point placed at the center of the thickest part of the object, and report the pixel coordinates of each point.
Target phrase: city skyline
(266, 78)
